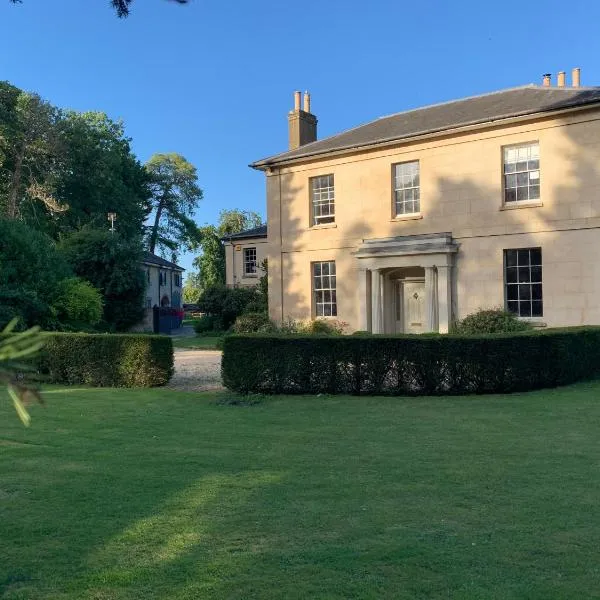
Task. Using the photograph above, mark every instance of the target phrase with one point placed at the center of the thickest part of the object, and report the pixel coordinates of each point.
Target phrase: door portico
(405, 283)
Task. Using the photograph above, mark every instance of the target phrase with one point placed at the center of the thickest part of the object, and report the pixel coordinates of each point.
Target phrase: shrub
(107, 360)
(313, 327)
(257, 322)
(30, 269)
(226, 303)
(490, 321)
(110, 263)
(78, 302)
(206, 323)
(410, 365)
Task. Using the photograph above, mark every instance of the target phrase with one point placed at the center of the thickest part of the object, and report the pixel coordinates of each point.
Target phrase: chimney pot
(547, 81)
(297, 97)
(560, 80)
(306, 102)
(576, 77)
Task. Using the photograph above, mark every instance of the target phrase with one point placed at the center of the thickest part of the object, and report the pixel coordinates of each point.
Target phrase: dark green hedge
(107, 360)
(410, 365)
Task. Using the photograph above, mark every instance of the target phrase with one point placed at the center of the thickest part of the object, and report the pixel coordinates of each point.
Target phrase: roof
(152, 259)
(255, 232)
(484, 109)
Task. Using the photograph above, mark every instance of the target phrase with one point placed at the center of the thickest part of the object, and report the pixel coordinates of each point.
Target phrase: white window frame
(520, 174)
(403, 184)
(247, 263)
(322, 197)
(324, 288)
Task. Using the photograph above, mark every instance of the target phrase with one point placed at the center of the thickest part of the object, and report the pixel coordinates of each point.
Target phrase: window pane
(524, 275)
(524, 292)
(510, 195)
(536, 274)
(525, 309)
(535, 255)
(536, 291)
(513, 307)
(536, 309)
(523, 257)
(512, 292)
(511, 258)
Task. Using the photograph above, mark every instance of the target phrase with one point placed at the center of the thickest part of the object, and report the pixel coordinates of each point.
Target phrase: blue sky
(214, 80)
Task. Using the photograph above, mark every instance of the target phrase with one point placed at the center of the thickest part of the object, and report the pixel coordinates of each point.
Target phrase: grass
(197, 342)
(158, 494)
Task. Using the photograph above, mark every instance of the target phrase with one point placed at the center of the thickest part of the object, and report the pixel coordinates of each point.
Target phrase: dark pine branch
(121, 6)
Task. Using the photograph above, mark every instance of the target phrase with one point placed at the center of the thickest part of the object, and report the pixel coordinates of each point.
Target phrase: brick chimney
(302, 123)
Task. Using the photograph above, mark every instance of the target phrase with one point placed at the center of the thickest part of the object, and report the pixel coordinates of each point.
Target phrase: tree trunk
(154, 234)
(12, 210)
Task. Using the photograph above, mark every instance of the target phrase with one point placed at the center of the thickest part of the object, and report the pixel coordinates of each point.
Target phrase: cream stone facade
(164, 281)
(418, 272)
(245, 254)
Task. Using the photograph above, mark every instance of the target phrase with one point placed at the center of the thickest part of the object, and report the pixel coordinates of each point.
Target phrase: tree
(175, 196)
(31, 152)
(192, 288)
(234, 220)
(211, 263)
(100, 174)
(121, 6)
(30, 272)
(111, 264)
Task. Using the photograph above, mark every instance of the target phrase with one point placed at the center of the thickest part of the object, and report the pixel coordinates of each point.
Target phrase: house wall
(461, 193)
(154, 292)
(234, 261)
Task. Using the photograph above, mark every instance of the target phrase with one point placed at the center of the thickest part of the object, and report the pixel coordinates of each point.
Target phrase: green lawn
(169, 495)
(197, 342)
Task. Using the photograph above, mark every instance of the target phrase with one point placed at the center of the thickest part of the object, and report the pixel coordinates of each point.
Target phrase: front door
(413, 304)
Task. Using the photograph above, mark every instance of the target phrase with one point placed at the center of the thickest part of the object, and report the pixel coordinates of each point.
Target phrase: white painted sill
(409, 217)
(323, 226)
(522, 204)
(536, 322)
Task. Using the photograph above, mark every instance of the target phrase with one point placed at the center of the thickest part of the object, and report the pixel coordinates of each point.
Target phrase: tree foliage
(78, 303)
(111, 264)
(62, 170)
(175, 196)
(210, 264)
(122, 7)
(30, 271)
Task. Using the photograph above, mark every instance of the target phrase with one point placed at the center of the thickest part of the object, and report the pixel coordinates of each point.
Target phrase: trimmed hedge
(107, 360)
(410, 365)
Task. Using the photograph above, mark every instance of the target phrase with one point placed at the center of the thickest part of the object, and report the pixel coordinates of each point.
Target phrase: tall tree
(31, 152)
(100, 175)
(233, 221)
(175, 196)
(112, 265)
(122, 7)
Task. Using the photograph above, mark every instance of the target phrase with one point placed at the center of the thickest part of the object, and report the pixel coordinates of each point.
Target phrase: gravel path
(197, 370)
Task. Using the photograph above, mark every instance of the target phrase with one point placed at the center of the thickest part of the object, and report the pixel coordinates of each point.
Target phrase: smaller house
(164, 281)
(244, 255)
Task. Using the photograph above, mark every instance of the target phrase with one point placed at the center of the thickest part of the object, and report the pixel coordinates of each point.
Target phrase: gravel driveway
(197, 370)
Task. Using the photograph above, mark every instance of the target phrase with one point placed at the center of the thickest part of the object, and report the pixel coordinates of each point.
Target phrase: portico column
(376, 316)
(444, 298)
(430, 299)
(363, 301)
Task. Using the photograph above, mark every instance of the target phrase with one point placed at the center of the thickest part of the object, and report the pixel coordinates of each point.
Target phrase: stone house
(244, 255)
(413, 220)
(163, 281)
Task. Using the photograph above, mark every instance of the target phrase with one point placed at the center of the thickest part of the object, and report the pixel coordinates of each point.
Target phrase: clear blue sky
(214, 80)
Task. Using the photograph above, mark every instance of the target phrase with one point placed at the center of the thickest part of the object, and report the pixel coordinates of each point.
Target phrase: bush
(207, 323)
(490, 321)
(78, 302)
(107, 360)
(410, 365)
(313, 327)
(226, 303)
(30, 270)
(257, 322)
